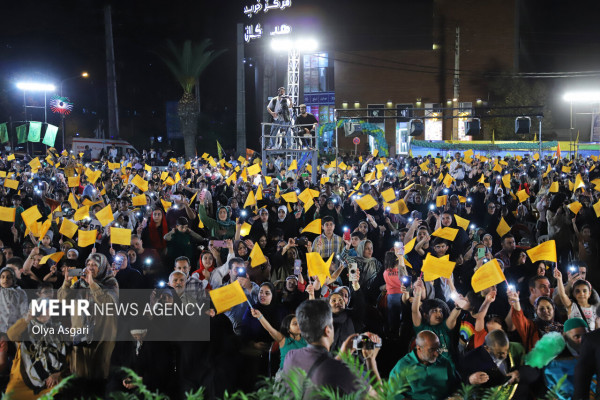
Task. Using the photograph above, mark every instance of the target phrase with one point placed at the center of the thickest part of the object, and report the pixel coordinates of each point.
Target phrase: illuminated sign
(269, 5)
(257, 31)
(252, 32)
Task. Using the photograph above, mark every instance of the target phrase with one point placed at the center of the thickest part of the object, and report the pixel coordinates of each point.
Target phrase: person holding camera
(316, 326)
(279, 107)
(237, 272)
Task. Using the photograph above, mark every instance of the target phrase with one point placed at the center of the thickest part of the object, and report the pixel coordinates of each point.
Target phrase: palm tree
(187, 64)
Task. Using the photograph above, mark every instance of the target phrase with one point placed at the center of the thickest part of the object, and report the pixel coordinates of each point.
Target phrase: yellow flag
(438, 266)
(543, 252)
(140, 200)
(114, 166)
(120, 236)
(305, 196)
(86, 238)
(140, 182)
(10, 157)
(497, 168)
(448, 180)
(250, 200)
(317, 267)
(566, 170)
(54, 257)
(245, 229)
(481, 179)
(579, 182)
(488, 275)
(35, 163)
(313, 227)
(575, 207)
(370, 176)
(254, 169)
(536, 156)
(293, 166)
(228, 296)
(45, 228)
(522, 195)
(92, 175)
(408, 187)
(105, 216)
(11, 184)
(290, 197)
(554, 187)
(7, 214)
(68, 228)
(31, 215)
(308, 204)
(259, 195)
(256, 256)
(502, 228)
(446, 233)
(389, 195)
(463, 223)
(366, 202)
(149, 168)
(441, 201)
(402, 207)
(81, 213)
(410, 245)
(166, 204)
(73, 181)
(506, 181)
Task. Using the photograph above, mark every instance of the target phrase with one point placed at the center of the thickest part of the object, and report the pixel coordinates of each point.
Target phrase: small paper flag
(545, 252)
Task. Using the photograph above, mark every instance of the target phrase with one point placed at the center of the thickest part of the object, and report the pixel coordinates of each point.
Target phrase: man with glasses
(430, 376)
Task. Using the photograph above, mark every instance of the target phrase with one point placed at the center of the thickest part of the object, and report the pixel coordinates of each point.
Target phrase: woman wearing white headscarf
(371, 270)
(92, 351)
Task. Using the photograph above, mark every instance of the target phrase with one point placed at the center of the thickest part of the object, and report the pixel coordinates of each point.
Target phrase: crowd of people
(378, 225)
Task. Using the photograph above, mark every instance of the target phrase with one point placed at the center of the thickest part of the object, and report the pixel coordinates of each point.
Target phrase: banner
(3, 133)
(35, 131)
(50, 136)
(21, 134)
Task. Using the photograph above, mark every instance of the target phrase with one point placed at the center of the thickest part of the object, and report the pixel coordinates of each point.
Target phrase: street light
(84, 74)
(587, 96)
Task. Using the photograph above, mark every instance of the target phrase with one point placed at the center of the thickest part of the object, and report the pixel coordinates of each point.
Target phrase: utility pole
(111, 81)
(456, 83)
(241, 94)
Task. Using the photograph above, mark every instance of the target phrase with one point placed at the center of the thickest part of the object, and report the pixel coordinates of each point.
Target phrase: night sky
(44, 40)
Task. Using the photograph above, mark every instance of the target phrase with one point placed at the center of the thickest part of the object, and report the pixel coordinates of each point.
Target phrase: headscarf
(105, 278)
(228, 221)
(201, 266)
(542, 326)
(236, 245)
(157, 233)
(369, 267)
(284, 208)
(12, 273)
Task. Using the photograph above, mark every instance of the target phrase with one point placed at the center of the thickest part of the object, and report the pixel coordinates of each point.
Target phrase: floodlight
(36, 86)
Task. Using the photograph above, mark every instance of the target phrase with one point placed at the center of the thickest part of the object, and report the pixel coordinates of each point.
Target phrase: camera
(301, 241)
(363, 342)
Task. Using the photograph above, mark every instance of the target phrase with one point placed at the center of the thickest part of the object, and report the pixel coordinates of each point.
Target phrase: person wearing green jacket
(222, 227)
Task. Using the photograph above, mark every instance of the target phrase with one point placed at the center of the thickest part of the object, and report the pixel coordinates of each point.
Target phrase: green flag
(21, 134)
(3, 133)
(35, 131)
(220, 151)
(50, 135)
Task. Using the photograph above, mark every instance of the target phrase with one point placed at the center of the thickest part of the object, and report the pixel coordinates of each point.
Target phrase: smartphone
(75, 272)
(399, 246)
(480, 253)
(297, 267)
(353, 272)
(347, 234)
(219, 243)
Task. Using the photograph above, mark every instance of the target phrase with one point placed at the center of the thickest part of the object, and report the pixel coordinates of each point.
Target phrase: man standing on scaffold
(279, 107)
